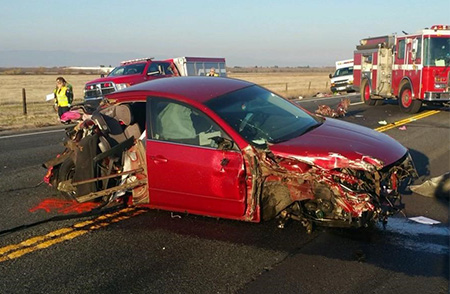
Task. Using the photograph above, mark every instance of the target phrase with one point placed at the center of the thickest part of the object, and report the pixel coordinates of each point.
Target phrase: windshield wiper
(310, 128)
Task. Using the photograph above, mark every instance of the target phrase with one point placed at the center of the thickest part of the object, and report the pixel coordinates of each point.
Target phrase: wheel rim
(366, 92)
(406, 98)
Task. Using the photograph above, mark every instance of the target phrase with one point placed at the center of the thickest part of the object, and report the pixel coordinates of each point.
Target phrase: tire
(365, 95)
(66, 172)
(406, 103)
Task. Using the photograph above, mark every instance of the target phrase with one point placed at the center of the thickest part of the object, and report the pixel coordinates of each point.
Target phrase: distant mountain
(36, 58)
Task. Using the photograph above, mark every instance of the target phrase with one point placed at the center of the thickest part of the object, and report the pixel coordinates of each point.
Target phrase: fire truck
(413, 68)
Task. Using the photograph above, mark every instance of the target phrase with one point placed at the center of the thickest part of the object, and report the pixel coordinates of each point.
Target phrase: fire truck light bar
(440, 27)
(136, 60)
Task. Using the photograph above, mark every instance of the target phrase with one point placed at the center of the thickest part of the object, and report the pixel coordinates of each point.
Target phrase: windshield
(262, 117)
(437, 51)
(128, 69)
(343, 72)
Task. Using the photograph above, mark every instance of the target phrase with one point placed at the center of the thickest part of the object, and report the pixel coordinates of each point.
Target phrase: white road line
(30, 134)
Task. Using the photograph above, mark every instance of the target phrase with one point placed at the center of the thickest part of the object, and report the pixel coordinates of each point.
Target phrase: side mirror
(223, 143)
(330, 76)
(414, 48)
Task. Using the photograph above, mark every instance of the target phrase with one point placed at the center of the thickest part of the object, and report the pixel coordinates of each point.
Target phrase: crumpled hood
(338, 144)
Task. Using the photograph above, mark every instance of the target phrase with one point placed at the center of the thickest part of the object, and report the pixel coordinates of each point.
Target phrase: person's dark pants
(61, 110)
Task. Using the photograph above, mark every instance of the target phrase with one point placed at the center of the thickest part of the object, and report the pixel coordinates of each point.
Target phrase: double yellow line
(41, 242)
(406, 120)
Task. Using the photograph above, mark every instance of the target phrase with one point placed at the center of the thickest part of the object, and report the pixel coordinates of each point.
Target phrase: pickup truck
(136, 71)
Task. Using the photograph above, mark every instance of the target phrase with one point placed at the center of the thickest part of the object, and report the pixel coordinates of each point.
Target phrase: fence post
(286, 87)
(309, 86)
(24, 101)
(326, 84)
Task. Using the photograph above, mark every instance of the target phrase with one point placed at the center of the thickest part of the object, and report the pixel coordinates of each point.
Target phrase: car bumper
(437, 96)
(342, 88)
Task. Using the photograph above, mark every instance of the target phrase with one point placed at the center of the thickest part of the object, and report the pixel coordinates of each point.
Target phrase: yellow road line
(406, 120)
(41, 242)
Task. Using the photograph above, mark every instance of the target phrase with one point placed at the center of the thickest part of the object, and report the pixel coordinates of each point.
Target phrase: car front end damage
(328, 190)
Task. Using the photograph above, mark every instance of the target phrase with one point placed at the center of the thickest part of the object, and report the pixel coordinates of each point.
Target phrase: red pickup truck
(136, 71)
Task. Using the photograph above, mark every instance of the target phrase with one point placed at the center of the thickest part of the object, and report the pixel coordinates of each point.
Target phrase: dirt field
(41, 113)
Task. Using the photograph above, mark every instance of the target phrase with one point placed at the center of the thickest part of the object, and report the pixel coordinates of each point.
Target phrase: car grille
(341, 83)
(95, 91)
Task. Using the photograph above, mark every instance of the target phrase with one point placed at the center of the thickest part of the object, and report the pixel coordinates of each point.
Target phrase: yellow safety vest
(61, 97)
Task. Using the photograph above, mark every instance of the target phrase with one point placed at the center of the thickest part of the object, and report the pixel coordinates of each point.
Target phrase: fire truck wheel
(365, 94)
(407, 103)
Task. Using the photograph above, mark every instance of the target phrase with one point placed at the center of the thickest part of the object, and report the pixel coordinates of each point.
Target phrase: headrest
(123, 114)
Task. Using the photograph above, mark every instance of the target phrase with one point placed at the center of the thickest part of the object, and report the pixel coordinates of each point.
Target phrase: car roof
(197, 88)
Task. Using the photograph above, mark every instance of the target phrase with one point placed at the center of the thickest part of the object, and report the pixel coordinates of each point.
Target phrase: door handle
(159, 159)
(224, 161)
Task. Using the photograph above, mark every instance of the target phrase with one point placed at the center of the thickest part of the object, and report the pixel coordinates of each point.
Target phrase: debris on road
(340, 110)
(424, 220)
(434, 187)
(382, 122)
(402, 128)
(321, 95)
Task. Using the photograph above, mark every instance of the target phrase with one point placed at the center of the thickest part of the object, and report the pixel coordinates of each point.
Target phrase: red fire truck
(414, 68)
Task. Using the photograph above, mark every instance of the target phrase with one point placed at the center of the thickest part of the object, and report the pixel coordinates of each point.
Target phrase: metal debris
(424, 220)
(435, 187)
(340, 110)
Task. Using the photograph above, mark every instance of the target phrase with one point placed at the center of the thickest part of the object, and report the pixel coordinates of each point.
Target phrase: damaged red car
(228, 148)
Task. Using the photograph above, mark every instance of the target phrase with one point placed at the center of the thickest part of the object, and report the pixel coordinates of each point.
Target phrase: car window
(181, 123)
(159, 68)
(129, 69)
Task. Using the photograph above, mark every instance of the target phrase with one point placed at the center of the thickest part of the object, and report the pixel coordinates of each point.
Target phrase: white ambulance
(342, 79)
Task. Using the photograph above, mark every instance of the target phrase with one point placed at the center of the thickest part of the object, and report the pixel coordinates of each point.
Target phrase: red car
(232, 149)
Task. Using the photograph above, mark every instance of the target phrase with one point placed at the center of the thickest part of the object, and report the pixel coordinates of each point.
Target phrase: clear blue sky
(263, 32)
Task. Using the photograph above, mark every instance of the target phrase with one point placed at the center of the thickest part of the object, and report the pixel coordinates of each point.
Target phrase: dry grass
(41, 113)
(296, 83)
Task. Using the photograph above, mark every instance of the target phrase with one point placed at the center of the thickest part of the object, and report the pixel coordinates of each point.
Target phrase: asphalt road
(141, 251)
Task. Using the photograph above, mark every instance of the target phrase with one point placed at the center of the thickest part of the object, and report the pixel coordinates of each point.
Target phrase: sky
(247, 33)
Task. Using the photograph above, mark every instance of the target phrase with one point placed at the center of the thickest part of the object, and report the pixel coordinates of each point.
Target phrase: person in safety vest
(212, 73)
(63, 95)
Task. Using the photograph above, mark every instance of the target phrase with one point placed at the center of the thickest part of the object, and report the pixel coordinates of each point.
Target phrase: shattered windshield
(262, 117)
(437, 51)
(128, 69)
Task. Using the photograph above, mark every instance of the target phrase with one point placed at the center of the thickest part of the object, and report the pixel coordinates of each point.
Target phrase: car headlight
(122, 86)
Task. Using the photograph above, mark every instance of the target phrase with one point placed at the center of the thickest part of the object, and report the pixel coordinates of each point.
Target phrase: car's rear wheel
(407, 103)
(66, 172)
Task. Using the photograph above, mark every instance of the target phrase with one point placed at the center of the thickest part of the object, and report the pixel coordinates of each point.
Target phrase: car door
(186, 169)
